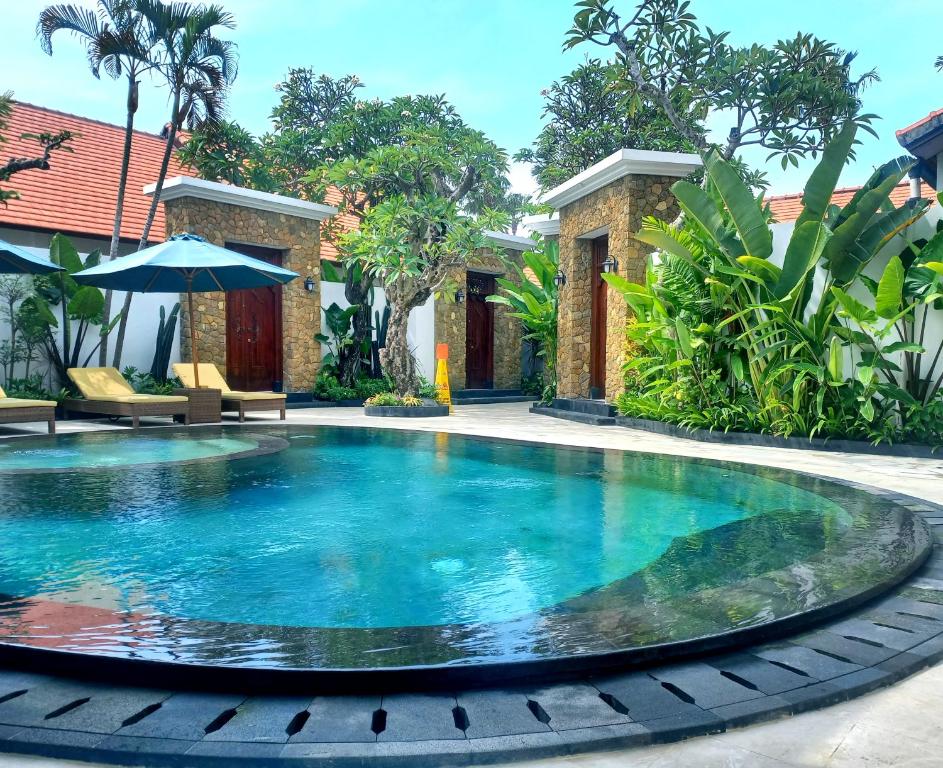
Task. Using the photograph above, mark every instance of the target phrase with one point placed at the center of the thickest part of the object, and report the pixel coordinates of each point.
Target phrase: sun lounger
(105, 391)
(17, 410)
(232, 400)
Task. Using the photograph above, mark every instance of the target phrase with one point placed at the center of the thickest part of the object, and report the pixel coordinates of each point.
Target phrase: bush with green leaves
(33, 387)
(727, 339)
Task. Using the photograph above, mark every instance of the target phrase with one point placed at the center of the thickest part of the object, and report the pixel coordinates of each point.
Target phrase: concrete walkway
(901, 726)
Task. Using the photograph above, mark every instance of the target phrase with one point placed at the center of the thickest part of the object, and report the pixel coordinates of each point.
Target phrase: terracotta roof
(77, 194)
(788, 207)
(340, 220)
(920, 122)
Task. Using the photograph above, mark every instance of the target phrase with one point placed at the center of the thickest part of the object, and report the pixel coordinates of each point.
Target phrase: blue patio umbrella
(184, 264)
(16, 260)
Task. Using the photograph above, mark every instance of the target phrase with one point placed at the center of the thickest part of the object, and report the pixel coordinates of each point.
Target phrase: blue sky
(490, 57)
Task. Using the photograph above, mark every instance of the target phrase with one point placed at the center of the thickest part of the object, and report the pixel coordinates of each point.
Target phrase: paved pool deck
(900, 725)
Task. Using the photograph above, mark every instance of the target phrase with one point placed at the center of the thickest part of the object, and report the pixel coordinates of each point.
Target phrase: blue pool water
(346, 529)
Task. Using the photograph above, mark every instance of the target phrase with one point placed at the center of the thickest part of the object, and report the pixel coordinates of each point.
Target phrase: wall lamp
(459, 296)
(610, 264)
(559, 279)
(309, 284)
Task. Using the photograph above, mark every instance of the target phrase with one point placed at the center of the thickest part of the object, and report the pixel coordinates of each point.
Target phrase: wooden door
(597, 342)
(254, 329)
(479, 332)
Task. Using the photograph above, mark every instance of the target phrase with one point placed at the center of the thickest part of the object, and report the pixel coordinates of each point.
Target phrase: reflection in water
(356, 547)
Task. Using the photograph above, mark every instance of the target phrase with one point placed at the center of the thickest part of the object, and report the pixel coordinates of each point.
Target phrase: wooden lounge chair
(17, 410)
(232, 400)
(106, 392)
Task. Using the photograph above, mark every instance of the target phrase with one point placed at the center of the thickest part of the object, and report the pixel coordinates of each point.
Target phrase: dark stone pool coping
(891, 637)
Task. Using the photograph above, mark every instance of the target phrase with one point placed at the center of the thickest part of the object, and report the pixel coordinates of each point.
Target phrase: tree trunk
(357, 292)
(119, 207)
(396, 357)
(151, 213)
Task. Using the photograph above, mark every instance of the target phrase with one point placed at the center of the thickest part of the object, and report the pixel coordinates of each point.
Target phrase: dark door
(479, 332)
(597, 341)
(254, 329)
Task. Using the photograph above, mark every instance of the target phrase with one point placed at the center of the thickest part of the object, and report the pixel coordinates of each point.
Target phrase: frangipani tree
(413, 238)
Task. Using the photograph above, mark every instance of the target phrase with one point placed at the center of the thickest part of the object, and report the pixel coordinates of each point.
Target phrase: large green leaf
(744, 209)
(87, 303)
(63, 253)
(854, 308)
(888, 298)
(822, 182)
(684, 338)
(762, 268)
(887, 225)
(699, 207)
(802, 254)
(664, 242)
(836, 359)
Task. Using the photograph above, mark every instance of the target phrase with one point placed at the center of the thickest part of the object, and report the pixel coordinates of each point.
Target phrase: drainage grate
(378, 723)
(12, 695)
(891, 626)
(788, 668)
(738, 680)
(297, 723)
(460, 716)
(672, 688)
(67, 708)
(872, 643)
(221, 719)
(917, 616)
(538, 711)
(834, 656)
(613, 702)
(150, 709)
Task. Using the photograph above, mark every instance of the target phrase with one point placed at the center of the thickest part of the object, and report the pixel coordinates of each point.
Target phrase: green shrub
(367, 387)
(427, 389)
(392, 399)
(327, 387)
(32, 388)
(145, 384)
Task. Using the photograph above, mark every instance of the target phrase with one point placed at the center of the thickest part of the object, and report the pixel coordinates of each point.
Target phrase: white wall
(140, 337)
(420, 332)
(922, 229)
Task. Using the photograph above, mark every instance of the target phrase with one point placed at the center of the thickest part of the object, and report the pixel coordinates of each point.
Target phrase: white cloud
(521, 179)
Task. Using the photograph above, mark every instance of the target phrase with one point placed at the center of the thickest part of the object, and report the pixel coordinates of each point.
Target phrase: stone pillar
(616, 210)
(299, 240)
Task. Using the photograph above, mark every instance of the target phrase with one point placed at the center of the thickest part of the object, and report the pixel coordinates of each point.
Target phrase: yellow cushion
(16, 402)
(100, 383)
(210, 376)
(138, 399)
(2, 393)
(234, 395)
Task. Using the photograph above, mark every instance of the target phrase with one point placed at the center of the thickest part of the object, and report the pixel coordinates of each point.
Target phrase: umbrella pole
(193, 353)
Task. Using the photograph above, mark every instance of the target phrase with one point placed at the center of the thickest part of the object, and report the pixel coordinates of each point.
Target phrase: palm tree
(117, 41)
(199, 68)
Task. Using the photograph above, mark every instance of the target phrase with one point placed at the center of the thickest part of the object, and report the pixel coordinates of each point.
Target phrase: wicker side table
(205, 404)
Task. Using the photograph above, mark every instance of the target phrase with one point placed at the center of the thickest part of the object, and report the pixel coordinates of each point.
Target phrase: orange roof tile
(77, 194)
(788, 207)
(920, 122)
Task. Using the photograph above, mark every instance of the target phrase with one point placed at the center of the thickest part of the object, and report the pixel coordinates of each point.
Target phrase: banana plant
(60, 306)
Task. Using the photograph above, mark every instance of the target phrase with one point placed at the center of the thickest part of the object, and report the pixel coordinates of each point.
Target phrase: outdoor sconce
(309, 284)
(559, 279)
(610, 265)
(459, 296)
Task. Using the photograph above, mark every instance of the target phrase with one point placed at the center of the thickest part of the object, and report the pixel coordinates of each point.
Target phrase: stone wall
(450, 326)
(620, 208)
(299, 240)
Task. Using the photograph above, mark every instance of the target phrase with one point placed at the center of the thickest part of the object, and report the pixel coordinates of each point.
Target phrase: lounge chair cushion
(100, 383)
(210, 377)
(137, 399)
(17, 402)
(234, 395)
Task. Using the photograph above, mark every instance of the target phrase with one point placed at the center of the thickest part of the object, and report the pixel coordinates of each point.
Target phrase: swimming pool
(331, 548)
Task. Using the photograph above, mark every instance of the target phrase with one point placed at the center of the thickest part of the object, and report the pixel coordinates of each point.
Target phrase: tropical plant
(31, 387)
(79, 310)
(48, 143)
(392, 399)
(341, 343)
(117, 40)
(198, 68)
(789, 98)
(588, 119)
(718, 322)
(163, 345)
(146, 383)
(533, 300)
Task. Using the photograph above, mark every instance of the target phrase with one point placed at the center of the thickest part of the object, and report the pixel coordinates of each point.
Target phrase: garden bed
(406, 411)
(772, 441)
